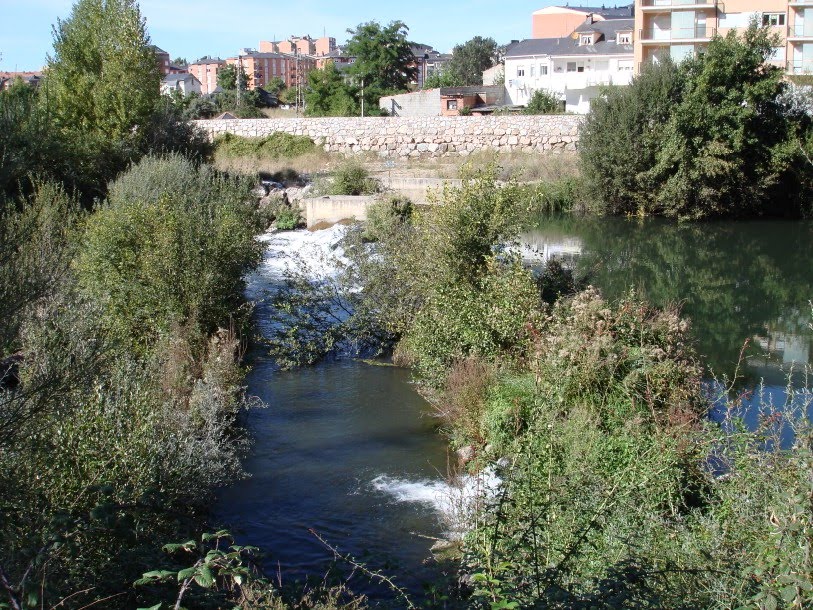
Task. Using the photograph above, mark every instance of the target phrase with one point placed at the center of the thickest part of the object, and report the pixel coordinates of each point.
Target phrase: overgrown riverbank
(618, 491)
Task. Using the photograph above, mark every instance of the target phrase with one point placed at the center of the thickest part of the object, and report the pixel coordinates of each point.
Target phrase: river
(347, 449)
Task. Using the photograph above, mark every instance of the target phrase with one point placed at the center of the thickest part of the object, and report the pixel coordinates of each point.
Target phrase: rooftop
(569, 45)
(607, 12)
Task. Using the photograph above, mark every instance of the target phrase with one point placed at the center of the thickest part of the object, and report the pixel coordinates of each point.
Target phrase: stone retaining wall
(412, 137)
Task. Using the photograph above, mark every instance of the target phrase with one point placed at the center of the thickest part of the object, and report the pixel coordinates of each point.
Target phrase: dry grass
(522, 166)
(463, 400)
(316, 162)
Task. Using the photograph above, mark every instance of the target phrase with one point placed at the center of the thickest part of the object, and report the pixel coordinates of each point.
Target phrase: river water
(347, 449)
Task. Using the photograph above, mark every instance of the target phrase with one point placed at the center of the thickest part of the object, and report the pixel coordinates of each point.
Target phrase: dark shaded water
(746, 286)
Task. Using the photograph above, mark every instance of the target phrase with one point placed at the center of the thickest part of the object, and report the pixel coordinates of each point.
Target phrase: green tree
(227, 78)
(180, 61)
(705, 138)
(543, 102)
(276, 86)
(442, 77)
(471, 59)
(328, 94)
(102, 79)
(726, 143)
(384, 60)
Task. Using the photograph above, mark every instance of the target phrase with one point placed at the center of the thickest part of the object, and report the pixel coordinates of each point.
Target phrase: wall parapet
(421, 136)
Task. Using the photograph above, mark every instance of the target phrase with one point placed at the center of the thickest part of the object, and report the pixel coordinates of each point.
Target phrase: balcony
(698, 33)
(662, 6)
(800, 3)
(800, 32)
(801, 66)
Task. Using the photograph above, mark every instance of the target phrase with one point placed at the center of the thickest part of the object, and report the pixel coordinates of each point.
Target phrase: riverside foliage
(616, 490)
(708, 137)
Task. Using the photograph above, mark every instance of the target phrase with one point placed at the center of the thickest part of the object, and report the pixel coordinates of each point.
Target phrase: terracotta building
(205, 70)
(304, 45)
(262, 67)
(681, 28)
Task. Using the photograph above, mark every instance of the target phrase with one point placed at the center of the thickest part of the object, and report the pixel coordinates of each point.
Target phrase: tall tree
(328, 94)
(384, 60)
(103, 77)
(471, 59)
(227, 77)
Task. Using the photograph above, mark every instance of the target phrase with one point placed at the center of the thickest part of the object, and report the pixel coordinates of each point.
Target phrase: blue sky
(193, 28)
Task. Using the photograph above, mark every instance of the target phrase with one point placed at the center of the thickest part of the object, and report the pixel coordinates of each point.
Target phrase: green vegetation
(276, 146)
(329, 95)
(469, 61)
(543, 102)
(705, 138)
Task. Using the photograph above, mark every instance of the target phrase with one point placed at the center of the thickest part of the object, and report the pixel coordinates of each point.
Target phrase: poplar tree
(103, 79)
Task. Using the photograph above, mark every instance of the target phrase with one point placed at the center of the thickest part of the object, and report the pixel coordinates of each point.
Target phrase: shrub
(171, 246)
(385, 217)
(352, 178)
(543, 102)
(288, 219)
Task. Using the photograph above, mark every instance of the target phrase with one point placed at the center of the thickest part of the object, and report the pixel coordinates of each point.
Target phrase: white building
(574, 68)
(185, 83)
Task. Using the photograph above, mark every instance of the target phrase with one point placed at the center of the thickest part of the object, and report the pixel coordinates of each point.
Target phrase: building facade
(261, 68)
(186, 83)
(572, 68)
(304, 45)
(205, 70)
(681, 28)
(559, 21)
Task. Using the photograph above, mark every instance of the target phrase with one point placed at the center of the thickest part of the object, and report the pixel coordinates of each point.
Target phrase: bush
(288, 219)
(543, 102)
(352, 178)
(705, 138)
(387, 216)
(170, 247)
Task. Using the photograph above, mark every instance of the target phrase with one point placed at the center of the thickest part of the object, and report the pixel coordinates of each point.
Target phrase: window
(543, 70)
(451, 104)
(571, 66)
(520, 71)
(625, 38)
(533, 70)
(585, 39)
(773, 18)
(625, 65)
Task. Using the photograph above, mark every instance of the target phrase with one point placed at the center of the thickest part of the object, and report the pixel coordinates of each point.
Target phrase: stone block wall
(413, 137)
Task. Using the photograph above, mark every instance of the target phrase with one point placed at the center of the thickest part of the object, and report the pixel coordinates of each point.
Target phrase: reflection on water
(742, 284)
(746, 286)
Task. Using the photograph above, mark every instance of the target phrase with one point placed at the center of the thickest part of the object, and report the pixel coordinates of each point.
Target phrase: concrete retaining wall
(414, 137)
(327, 211)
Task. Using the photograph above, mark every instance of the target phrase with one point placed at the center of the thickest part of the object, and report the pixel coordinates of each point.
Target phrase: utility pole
(362, 96)
(237, 78)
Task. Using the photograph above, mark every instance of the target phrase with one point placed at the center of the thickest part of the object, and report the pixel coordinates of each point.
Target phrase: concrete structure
(185, 83)
(444, 101)
(205, 70)
(494, 75)
(262, 67)
(326, 211)
(414, 137)
(572, 68)
(559, 21)
(681, 28)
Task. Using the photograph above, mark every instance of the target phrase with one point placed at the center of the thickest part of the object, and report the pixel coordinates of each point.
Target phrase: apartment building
(262, 67)
(304, 45)
(205, 70)
(162, 59)
(681, 28)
